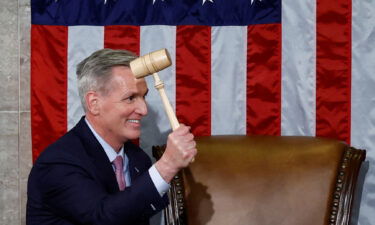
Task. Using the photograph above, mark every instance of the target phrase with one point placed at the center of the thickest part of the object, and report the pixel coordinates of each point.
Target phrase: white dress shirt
(156, 178)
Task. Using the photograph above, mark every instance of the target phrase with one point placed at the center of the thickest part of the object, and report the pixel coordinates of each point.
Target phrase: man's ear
(92, 102)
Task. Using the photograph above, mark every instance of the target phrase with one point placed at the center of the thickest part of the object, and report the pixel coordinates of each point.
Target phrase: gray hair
(94, 72)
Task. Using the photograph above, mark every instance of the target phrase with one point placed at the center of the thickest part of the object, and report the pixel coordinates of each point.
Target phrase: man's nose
(141, 107)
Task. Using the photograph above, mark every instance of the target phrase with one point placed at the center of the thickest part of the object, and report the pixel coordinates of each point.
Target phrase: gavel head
(150, 63)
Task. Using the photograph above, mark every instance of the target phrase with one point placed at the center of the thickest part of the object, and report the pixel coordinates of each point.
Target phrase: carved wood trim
(345, 185)
(174, 214)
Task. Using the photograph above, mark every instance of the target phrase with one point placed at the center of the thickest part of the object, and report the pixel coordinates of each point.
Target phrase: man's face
(122, 108)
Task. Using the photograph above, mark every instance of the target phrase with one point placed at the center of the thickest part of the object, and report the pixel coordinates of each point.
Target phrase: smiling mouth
(134, 121)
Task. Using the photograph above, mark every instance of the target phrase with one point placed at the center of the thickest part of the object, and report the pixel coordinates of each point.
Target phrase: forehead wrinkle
(125, 82)
(120, 81)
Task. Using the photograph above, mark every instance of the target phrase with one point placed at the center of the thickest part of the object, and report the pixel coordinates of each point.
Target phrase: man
(80, 179)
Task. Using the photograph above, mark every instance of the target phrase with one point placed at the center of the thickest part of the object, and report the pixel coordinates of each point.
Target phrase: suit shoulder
(66, 147)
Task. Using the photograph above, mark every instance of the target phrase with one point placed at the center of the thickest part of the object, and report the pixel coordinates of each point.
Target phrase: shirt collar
(110, 152)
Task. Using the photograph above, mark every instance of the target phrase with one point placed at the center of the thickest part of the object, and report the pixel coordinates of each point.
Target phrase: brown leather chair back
(240, 180)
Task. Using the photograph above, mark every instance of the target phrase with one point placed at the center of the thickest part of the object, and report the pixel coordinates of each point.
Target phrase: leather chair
(263, 180)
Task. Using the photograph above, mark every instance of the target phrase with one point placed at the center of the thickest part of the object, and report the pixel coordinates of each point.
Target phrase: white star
(207, 0)
(254, 0)
(153, 1)
(105, 1)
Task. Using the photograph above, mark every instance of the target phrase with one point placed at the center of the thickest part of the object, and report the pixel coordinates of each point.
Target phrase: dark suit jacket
(73, 182)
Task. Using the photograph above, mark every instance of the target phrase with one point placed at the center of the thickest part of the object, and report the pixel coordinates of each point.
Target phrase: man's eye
(129, 99)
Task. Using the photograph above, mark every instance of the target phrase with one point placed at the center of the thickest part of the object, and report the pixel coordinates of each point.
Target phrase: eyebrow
(130, 93)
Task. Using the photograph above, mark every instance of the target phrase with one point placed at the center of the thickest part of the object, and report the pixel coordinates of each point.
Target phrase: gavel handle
(159, 85)
(168, 109)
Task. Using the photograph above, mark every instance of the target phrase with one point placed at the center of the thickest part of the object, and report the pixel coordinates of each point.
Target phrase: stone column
(15, 135)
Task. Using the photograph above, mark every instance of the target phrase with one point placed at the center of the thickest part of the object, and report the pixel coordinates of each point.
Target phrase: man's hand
(180, 151)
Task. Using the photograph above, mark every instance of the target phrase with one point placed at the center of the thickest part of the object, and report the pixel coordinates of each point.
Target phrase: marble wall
(15, 135)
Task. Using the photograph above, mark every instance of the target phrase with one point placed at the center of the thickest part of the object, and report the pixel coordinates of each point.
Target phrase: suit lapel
(98, 156)
(137, 164)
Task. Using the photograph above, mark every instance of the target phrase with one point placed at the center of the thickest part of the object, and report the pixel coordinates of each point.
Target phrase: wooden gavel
(152, 63)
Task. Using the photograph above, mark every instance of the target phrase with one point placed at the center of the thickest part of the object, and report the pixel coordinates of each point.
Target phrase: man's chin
(133, 136)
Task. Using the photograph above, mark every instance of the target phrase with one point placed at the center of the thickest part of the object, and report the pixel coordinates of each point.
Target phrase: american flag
(255, 67)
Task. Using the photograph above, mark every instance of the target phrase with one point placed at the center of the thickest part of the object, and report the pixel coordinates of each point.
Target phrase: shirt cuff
(158, 181)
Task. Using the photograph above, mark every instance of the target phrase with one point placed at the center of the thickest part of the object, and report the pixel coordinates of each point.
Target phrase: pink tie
(119, 171)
